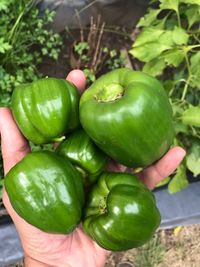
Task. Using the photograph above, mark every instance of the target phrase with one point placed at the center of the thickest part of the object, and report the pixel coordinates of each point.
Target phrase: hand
(77, 249)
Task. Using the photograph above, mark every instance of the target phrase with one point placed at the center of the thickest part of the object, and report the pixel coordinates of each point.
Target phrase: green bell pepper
(46, 191)
(120, 212)
(46, 109)
(128, 115)
(84, 155)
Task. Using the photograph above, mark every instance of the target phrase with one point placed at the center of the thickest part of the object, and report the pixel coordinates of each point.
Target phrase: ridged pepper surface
(121, 212)
(46, 109)
(46, 191)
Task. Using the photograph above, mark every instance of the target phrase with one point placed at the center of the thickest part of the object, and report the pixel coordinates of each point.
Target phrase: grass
(151, 254)
(168, 248)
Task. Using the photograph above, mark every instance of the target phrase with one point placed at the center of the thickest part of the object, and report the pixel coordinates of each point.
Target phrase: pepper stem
(110, 93)
(102, 206)
(59, 139)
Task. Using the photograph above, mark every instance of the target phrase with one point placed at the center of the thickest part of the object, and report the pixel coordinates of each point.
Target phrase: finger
(154, 174)
(13, 144)
(77, 77)
(115, 167)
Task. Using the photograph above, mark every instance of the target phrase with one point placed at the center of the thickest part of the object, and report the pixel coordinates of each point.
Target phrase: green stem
(196, 38)
(185, 88)
(192, 46)
(189, 77)
(188, 64)
(59, 139)
(13, 30)
(178, 17)
(15, 26)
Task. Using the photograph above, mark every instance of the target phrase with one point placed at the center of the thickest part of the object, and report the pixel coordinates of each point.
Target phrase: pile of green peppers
(125, 116)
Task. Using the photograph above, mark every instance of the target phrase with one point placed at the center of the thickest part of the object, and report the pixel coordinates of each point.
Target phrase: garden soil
(179, 247)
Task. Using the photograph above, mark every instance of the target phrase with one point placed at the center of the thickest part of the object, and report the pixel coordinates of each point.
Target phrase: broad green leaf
(179, 181)
(151, 43)
(174, 57)
(180, 36)
(195, 70)
(192, 2)
(191, 116)
(147, 36)
(169, 4)
(195, 59)
(166, 38)
(148, 51)
(154, 67)
(192, 14)
(149, 18)
(163, 182)
(179, 127)
(193, 159)
(153, 34)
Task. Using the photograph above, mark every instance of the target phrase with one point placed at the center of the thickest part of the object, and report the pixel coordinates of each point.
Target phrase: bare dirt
(179, 247)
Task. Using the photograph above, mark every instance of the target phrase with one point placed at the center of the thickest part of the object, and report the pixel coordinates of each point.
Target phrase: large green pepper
(46, 109)
(121, 212)
(84, 155)
(128, 115)
(46, 191)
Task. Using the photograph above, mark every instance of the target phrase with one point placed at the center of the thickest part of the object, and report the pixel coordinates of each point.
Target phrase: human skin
(77, 249)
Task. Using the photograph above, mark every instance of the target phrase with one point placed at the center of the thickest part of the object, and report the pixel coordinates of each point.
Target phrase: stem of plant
(193, 46)
(189, 77)
(178, 17)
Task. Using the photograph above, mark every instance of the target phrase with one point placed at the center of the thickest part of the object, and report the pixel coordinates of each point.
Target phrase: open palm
(76, 249)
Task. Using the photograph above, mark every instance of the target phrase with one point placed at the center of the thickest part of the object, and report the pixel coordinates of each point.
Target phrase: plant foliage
(24, 41)
(169, 46)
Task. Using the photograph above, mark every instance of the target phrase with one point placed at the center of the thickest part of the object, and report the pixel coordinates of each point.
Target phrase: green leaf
(147, 36)
(163, 182)
(193, 159)
(149, 18)
(4, 4)
(191, 116)
(192, 2)
(192, 14)
(180, 36)
(154, 67)
(150, 51)
(4, 46)
(168, 85)
(89, 75)
(174, 57)
(151, 43)
(195, 70)
(179, 127)
(179, 181)
(166, 38)
(169, 4)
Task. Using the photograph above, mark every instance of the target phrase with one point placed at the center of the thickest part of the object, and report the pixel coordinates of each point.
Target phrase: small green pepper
(121, 212)
(46, 191)
(84, 155)
(46, 109)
